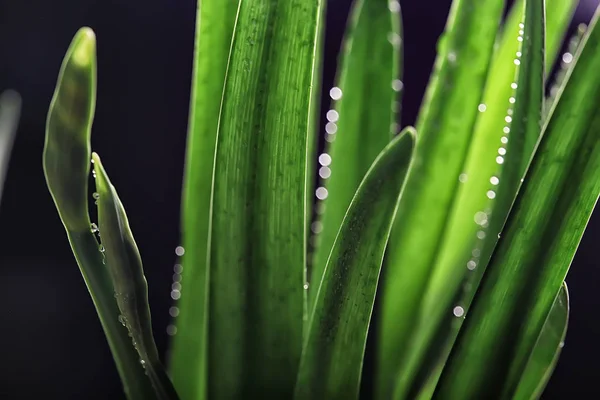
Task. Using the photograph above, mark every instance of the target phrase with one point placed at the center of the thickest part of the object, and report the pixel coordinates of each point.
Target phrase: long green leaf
(547, 349)
(444, 131)
(127, 274)
(215, 20)
(491, 177)
(539, 241)
(333, 353)
(258, 241)
(10, 108)
(66, 162)
(360, 119)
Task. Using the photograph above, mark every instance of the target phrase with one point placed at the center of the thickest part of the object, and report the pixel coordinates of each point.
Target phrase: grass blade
(368, 74)
(66, 167)
(258, 241)
(215, 20)
(10, 109)
(547, 349)
(127, 274)
(444, 132)
(333, 352)
(539, 241)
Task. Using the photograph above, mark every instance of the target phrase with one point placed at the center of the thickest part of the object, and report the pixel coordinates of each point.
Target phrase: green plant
(483, 207)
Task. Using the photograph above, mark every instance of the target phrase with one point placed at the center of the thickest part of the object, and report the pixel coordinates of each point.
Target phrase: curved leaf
(131, 290)
(333, 353)
(66, 167)
(359, 123)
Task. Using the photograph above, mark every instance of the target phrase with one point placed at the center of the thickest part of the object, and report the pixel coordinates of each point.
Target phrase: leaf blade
(332, 357)
(369, 69)
(547, 349)
(259, 202)
(68, 132)
(215, 22)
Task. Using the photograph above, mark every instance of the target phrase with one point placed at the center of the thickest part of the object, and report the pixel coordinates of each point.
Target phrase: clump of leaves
(481, 208)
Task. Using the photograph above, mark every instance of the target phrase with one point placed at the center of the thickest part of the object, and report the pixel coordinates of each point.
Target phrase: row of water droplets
(482, 217)
(176, 290)
(331, 129)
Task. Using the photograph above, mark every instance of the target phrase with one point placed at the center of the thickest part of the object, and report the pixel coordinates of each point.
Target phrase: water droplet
(333, 116)
(480, 235)
(491, 194)
(480, 218)
(92, 161)
(471, 265)
(462, 178)
(482, 107)
(521, 25)
(521, 32)
(476, 252)
(335, 93)
(305, 286)
(174, 311)
(561, 344)
(512, 100)
(102, 249)
(325, 159)
(176, 286)
(324, 172)
(567, 58)
(452, 57)
(458, 311)
(122, 320)
(96, 196)
(321, 193)
(502, 151)
(179, 251)
(517, 61)
(143, 362)
(94, 228)
(316, 227)
(506, 129)
(519, 54)
(171, 330)
(330, 138)
(394, 39)
(394, 6)
(175, 294)
(520, 38)
(514, 85)
(500, 160)
(397, 85)
(494, 180)
(504, 140)
(178, 268)
(331, 128)
(508, 119)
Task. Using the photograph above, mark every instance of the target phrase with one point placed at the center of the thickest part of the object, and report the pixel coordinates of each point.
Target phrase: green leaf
(215, 21)
(127, 274)
(10, 109)
(66, 163)
(547, 349)
(369, 70)
(333, 353)
(444, 132)
(539, 241)
(488, 187)
(257, 237)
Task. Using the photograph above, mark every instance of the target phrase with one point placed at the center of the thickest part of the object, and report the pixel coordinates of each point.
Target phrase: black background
(51, 343)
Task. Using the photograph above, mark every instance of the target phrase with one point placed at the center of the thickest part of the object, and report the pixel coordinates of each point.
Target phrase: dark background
(51, 343)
